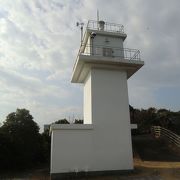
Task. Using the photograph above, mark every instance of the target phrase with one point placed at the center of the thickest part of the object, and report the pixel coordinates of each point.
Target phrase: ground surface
(151, 149)
(153, 160)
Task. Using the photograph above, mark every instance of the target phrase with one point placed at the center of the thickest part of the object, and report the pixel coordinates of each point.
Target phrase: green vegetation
(62, 121)
(152, 116)
(22, 145)
(65, 121)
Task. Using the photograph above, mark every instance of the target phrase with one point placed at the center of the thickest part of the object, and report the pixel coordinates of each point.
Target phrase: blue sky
(39, 42)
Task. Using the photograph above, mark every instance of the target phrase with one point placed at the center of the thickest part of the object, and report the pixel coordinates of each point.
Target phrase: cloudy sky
(39, 41)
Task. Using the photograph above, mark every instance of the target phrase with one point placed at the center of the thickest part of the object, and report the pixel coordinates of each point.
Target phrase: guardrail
(109, 27)
(159, 131)
(107, 51)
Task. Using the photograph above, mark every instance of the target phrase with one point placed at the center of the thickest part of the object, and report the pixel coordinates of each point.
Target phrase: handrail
(136, 55)
(159, 131)
(109, 51)
(109, 27)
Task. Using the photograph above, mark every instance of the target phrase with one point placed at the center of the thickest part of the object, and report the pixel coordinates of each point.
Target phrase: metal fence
(106, 51)
(159, 131)
(109, 27)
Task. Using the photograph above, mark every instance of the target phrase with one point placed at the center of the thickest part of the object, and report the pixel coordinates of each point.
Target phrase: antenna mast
(80, 24)
(97, 15)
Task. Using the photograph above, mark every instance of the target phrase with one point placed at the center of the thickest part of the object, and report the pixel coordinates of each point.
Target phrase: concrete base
(78, 175)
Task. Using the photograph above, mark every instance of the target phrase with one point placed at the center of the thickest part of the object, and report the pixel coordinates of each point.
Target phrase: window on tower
(107, 52)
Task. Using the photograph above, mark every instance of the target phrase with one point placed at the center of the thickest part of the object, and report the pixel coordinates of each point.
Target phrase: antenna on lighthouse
(97, 15)
(80, 24)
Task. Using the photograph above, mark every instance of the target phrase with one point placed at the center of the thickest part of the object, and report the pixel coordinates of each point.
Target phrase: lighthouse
(103, 142)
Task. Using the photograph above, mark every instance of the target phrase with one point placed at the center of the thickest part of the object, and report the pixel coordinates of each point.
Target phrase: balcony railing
(109, 27)
(109, 52)
(112, 52)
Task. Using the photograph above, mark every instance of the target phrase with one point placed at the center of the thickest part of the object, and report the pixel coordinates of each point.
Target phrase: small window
(107, 52)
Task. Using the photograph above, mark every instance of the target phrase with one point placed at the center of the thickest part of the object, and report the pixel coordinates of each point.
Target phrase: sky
(39, 42)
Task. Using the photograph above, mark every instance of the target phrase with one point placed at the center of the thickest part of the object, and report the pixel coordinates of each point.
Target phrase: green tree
(46, 146)
(145, 118)
(24, 138)
(78, 121)
(62, 121)
(6, 148)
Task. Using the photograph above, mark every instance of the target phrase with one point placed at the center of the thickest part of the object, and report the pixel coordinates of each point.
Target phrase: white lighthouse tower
(103, 142)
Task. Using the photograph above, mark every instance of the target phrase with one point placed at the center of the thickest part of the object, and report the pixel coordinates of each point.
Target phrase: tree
(46, 146)
(6, 147)
(62, 121)
(146, 118)
(78, 121)
(23, 136)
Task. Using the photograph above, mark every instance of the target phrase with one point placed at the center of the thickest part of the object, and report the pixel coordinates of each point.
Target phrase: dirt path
(155, 159)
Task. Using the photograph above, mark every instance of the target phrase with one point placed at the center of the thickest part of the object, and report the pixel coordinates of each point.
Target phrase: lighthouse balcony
(104, 29)
(105, 26)
(110, 52)
(105, 57)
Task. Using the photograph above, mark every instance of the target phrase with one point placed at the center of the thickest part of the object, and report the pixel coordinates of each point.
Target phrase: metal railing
(107, 51)
(109, 27)
(159, 131)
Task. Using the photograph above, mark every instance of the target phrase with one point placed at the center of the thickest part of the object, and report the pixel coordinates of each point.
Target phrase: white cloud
(39, 43)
